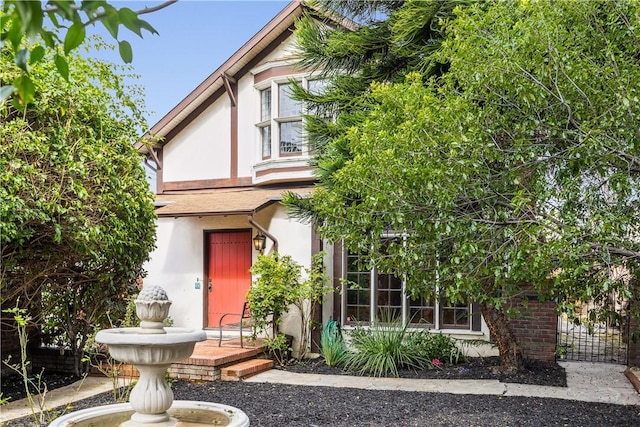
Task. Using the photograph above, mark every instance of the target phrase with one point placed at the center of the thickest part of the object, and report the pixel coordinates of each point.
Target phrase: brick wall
(179, 371)
(535, 329)
(194, 373)
(53, 360)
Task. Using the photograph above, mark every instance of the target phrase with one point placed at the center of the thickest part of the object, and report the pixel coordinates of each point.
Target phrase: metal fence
(603, 341)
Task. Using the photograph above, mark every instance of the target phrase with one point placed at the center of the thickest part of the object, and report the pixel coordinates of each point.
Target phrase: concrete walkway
(590, 382)
(83, 389)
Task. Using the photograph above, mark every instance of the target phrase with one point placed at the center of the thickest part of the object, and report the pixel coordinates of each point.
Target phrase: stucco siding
(178, 263)
(248, 112)
(286, 51)
(202, 150)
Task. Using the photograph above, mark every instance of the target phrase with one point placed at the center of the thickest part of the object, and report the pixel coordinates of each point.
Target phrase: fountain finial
(152, 307)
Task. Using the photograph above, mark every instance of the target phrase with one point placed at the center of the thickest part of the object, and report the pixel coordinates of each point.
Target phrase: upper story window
(265, 122)
(280, 127)
(289, 121)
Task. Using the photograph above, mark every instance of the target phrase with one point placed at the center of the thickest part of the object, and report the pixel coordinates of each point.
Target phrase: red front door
(229, 278)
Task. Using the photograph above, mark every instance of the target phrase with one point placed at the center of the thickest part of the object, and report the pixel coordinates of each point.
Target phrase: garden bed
(538, 373)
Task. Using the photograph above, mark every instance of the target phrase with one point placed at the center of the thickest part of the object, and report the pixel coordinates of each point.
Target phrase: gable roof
(279, 27)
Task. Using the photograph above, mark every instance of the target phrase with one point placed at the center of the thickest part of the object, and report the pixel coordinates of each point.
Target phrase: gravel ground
(286, 405)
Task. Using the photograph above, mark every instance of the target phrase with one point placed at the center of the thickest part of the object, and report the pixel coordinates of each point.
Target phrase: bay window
(281, 118)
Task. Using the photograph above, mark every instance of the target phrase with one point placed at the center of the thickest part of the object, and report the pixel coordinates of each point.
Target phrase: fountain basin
(132, 345)
(184, 413)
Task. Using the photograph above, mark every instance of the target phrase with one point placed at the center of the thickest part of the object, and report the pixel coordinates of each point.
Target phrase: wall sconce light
(259, 242)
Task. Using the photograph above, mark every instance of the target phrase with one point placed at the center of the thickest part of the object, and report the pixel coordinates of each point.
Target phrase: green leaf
(24, 12)
(126, 53)
(75, 36)
(129, 19)
(49, 39)
(36, 54)
(21, 58)
(30, 17)
(145, 25)
(62, 66)
(34, 26)
(111, 23)
(6, 91)
(14, 35)
(25, 89)
(65, 10)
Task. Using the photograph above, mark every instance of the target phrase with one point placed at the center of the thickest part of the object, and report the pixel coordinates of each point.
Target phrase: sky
(195, 38)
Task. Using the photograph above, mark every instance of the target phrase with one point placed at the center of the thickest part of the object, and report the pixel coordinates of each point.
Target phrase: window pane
(290, 137)
(455, 315)
(317, 87)
(389, 296)
(287, 107)
(422, 316)
(358, 301)
(265, 105)
(422, 312)
(388, 313)
(265, 135)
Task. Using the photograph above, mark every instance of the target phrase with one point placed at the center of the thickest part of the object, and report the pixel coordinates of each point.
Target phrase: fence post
(633, 353)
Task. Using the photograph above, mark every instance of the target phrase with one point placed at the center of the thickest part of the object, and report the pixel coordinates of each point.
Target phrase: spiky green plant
(332, 344)
(382, 348)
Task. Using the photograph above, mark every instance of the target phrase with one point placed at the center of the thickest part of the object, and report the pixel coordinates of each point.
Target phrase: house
(227, 152)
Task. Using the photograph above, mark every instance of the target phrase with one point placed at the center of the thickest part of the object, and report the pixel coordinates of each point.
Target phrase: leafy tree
(59, 23)
(515, 169)
(381, 41)
(76, 211)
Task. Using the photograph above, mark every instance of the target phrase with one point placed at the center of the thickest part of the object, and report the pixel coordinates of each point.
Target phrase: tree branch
(616, 251)
(156, 8)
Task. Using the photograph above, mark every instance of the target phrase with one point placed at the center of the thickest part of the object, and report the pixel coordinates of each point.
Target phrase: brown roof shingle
(224, 202)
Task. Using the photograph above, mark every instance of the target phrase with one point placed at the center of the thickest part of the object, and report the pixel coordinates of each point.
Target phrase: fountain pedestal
(151, 397)
(152, 348)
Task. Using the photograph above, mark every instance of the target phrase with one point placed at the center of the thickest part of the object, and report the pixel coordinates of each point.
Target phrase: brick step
(245, 369)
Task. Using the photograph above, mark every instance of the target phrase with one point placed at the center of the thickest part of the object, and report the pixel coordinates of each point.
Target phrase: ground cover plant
(332, 345)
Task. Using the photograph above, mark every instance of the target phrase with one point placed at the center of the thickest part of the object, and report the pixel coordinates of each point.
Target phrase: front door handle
(209, 286)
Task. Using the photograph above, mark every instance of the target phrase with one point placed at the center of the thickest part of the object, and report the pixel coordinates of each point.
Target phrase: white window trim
(405, 302)
(275, 120)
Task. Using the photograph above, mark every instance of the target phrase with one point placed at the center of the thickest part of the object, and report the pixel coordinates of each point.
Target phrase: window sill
(465, 332)
(283, 169)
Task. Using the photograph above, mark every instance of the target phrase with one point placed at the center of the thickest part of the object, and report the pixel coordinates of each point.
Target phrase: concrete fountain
(151, 348)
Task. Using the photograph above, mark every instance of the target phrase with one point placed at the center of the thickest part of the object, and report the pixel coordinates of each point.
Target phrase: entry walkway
(590, 382)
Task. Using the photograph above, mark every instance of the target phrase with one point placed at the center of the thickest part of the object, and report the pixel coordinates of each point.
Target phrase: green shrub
(382, 349)
(435, 346)
(273, 290)
(332, 344)
(279, 348)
